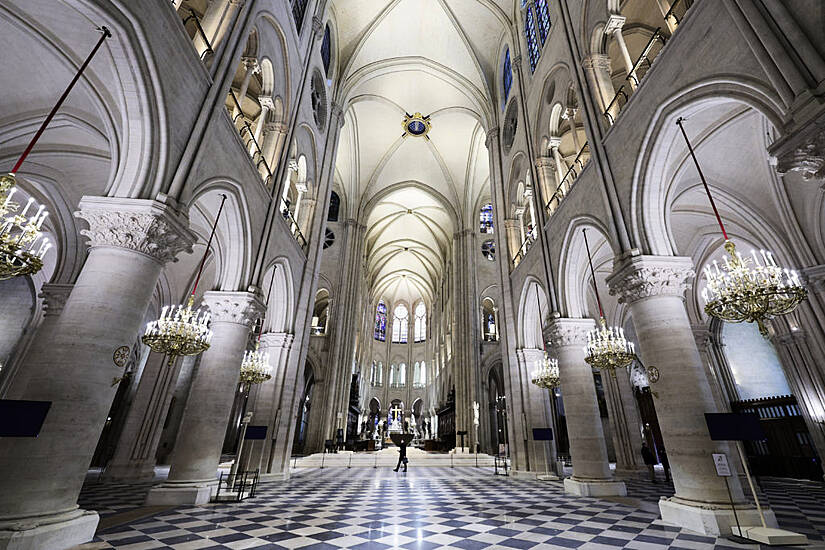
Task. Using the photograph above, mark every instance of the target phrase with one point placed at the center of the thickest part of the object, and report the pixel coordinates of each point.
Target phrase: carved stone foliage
(645, 276)
(54, 297)
(808, 158)
(240, 308)
(569, 332)
(139, 225)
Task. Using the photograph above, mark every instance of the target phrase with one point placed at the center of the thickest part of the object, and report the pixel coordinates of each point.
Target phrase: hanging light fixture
(746, 289)
(547, 375)
(182, 330)
(607, 349)
(22, 244)
(255, 368)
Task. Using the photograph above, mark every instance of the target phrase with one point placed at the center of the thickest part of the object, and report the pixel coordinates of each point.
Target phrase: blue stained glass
(507, 77)
(381, 322)
(543, 14)
(530, 34)
(299, 8)
(326, 50)
(486, 218)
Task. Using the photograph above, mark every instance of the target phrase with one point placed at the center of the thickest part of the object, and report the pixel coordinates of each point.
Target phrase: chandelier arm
(106, 34)
(208, 245)
(592, 273)
(702, 177)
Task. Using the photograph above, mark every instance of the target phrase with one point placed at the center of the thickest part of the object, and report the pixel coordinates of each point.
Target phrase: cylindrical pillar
(198, 448)
(72, 368)
(653, 288)
(588, 451)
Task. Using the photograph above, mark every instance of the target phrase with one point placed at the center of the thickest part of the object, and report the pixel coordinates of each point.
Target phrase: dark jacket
(648, 456)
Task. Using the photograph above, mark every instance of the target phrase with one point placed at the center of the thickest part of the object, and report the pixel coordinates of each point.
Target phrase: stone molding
(597, 61)
(273, 340)
(54, 297)
(240, 308)
(145, 226)
(545, 162)
(638, 277)
(563, 332)
(492, 135)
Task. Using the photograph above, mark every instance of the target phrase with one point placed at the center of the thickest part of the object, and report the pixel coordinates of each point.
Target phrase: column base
(711, 519)
(275, 476)
(54, 533)
(595, 488)
(770, 536)
(173, 493)
(128, 473)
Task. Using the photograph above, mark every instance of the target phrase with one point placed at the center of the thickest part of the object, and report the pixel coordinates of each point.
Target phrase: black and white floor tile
(428, 508)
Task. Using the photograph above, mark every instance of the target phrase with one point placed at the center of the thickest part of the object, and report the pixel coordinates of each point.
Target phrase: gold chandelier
(182, 330)
(21, 247)
(607, 348)
(744, 289)
(255, 367)
(547, 376)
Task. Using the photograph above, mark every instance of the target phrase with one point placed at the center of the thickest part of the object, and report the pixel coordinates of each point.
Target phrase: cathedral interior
(412, 274)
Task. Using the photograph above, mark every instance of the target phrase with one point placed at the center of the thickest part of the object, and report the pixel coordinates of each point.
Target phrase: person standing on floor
(402, 455)
(650, 461)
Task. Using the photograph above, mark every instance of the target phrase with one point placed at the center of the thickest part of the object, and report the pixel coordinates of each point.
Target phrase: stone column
(251, 67)
(274, 137)
(545, 168)
(588, 451)
(54, 297)
(625, 423)
(570, 113)
(614, 26)
(266, 405)
(653, 288)
(561, 166)
(197, 453)
(72, 367)
(706, 345)
(511, 228)
(538, 413)
(134, 458)
(597, 70)
(266, 105)
(304, 211)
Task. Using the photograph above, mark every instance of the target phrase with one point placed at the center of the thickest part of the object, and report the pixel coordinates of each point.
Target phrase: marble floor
(427, 508)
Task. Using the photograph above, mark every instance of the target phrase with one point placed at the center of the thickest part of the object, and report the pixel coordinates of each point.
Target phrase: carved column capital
(240, 308)
(614, 23)
(492, 136)
(337, 113)
(814, 277)
(317, 27)
(569, 332)
(276, 127)
(145, 226)
(806, 157)
(54, 297)
(553, 142)
(702, 335)
(596, 61)
(250, 63)
(545, 162)
(639, 277)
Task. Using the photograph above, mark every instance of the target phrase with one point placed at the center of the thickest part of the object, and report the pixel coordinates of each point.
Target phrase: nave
(427, 508)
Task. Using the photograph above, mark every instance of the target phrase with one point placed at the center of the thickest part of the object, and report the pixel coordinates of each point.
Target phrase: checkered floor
(461, 508)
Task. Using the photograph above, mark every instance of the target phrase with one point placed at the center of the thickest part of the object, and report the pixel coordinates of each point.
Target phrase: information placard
(720, 460)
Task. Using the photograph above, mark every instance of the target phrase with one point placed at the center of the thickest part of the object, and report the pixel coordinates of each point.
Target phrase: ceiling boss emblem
(416, 125)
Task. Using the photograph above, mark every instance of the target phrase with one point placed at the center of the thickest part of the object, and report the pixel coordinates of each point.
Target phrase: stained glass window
(381, 322)
(326, 50)
(334, 207)
(507, 76)
(543, 15)
(488, 249)
(400, 322)
(530, 34)
(299, 8)
(420, 322)
(486, 218)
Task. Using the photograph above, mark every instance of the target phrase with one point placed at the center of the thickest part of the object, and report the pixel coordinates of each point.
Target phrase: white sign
(720, 460)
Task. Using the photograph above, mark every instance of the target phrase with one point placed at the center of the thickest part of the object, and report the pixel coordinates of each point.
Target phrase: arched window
(507, 77)
(488, 249)
(393, 376)
(400, 323)
(420, 322)
(530, 34)
(402, 375)
(299, 8)
(419, 375)
(543, 14)
(381, 322)
(488, 320)
(326, 50)
(334, 206)
(376, 375)
(485, 218)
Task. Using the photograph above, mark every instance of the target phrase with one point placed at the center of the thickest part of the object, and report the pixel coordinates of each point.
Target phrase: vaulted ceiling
(398, 57)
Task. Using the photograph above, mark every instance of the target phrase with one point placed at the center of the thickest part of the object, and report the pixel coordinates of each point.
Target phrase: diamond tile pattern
(430, 508)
